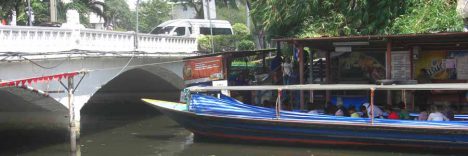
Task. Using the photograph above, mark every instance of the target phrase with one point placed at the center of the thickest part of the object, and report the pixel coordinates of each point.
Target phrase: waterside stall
(400, 59)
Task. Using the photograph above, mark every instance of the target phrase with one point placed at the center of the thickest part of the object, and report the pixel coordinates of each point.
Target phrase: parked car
(193, 27)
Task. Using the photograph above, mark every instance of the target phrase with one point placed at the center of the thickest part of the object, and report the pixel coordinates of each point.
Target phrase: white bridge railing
(41, 40)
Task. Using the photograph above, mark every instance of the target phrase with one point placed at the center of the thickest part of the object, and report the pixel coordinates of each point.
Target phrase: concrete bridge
(116, 63)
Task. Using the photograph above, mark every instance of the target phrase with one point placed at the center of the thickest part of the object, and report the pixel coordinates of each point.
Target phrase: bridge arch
(122, 94)
(18, 99)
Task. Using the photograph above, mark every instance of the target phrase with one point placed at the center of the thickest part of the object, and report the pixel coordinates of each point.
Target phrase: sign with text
(461, 64)
(203, 69)
(401, 67)
(222, 83)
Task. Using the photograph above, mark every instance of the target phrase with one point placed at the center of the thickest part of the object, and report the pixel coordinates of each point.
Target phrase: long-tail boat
(227, 118)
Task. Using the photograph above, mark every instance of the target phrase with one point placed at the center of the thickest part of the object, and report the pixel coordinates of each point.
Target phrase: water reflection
(151, 135)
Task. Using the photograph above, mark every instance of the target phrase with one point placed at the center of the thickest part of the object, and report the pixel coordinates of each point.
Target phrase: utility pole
(53, 10)
(137, 23)
(29, 13)
(211, 26)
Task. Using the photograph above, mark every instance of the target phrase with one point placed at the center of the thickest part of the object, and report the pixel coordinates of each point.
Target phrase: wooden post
(411, 98)
(278, 104)
(372, 105)
(74, 121)
(264, 68)
(278, 48)
(388, 69)
(403, 97)
(311, 74)
(328, 74)
(301, 74)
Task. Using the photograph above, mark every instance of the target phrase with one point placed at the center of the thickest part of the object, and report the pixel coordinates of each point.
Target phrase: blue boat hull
(316, 133)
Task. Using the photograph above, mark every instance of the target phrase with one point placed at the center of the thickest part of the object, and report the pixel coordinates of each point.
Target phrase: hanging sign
(203, 69)
(401, 67)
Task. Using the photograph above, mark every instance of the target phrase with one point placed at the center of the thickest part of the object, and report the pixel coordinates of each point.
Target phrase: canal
(45, 133)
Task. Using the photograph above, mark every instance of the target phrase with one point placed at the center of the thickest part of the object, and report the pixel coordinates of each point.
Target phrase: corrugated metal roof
(447, 41)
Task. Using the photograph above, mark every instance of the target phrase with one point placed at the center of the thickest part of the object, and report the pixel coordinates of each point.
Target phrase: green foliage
(40, 9)
(152, 13)
(84, 7)
(281, 17)
(311, 18)
(429, 16)
(7, 5)
(195, 4)
(241, 40)
(246, 45)
(221, 42)
(119, 15)
(241, 30)
(230, 13)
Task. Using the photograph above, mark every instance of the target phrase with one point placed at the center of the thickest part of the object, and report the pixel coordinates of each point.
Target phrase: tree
(153, 13)
(84, 7)
(231, 12)
(308, 18)
(40, 9)
(326, 17)
(429, 16)
(119, 15)
(197, 5)
(241, 40)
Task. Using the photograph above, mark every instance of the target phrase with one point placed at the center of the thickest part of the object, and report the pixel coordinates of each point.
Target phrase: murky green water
(141, 135)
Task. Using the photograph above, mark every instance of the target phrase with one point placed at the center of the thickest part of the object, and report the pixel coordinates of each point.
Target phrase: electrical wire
(141, 65)
(41, 66)
(123, 68)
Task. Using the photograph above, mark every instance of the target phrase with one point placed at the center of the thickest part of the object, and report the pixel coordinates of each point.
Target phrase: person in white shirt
(287, 69)
(378, 113)
(436, 115)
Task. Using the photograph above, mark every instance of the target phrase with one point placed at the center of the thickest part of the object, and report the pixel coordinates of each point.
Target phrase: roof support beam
(388, 69)
(301, 73)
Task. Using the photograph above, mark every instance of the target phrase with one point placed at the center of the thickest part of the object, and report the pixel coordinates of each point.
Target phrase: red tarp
(22, 82)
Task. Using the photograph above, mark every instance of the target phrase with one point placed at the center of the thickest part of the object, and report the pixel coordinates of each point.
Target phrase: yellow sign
(433, 62)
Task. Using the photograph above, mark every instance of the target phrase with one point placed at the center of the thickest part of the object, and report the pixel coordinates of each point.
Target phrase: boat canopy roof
(437, 86)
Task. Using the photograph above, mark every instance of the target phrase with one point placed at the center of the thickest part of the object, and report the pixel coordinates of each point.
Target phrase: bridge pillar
(74, 115)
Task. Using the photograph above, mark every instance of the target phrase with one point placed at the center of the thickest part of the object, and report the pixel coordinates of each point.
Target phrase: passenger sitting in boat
(353, 113)
(341, 111)
(393, 114)
(448, 112)
(436, 115)
(267, 103)
(363, 112)
(286, 105)
(378, 113)
(423, 114)
(330, 109)
(404, 114)
(314, 109)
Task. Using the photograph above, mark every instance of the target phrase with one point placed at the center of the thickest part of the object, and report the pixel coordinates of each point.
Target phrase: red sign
(203, 69)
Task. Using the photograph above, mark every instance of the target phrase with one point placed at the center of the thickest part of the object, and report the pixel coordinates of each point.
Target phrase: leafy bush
(246, 45)
(241, 40)
(241, 31)
(429, 16)
(221, 43)
(313, 18)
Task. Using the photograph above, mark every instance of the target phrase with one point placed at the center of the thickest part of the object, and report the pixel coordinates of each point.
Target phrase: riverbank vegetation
(312, 18)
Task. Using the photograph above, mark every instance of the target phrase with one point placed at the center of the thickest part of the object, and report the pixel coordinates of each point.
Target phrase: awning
(40, 79)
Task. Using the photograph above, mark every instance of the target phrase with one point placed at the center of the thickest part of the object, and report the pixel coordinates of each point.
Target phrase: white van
(193, 27)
